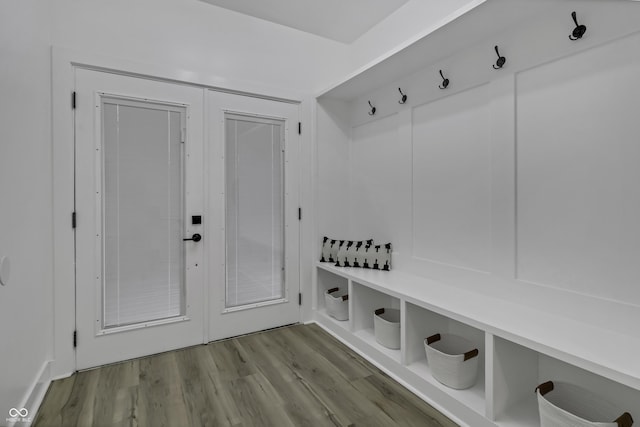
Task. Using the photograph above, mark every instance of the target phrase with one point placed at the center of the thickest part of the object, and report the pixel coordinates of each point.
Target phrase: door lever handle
(196, 238)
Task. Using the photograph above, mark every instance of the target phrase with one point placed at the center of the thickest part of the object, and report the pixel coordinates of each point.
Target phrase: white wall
(520, 180)
(332, 163)
(25, 197)
(233, 50)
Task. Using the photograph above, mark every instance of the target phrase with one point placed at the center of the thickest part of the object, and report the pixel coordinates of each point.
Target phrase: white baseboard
(34, 395)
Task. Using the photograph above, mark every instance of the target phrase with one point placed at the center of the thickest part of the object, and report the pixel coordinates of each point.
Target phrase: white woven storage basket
(453, 360)
(386, 327)
(337, 303)
(567, 405)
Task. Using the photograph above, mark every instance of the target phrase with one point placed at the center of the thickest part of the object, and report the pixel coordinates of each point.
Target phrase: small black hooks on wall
(500, 62)
(373, 109)
(404, 97)
(445, 81)
(579, 31)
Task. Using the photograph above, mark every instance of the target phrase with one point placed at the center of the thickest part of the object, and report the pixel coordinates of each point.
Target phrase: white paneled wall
(452, 180)
(511, 201)
(520, 181)
(577, 161)
(378, 193)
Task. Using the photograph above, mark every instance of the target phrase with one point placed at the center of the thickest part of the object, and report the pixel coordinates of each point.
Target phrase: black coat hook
(579, 31)
(373, 109)
(445, 82)
(500, 62)
(404, 97)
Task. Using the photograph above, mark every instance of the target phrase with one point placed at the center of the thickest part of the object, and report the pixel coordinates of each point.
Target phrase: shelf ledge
(594, 347)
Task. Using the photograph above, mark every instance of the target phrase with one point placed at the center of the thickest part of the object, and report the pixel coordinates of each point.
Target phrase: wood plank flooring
(292, 376)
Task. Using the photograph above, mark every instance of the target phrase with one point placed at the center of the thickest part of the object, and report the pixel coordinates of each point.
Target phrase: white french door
(139, 191)
(144, 228)
(253, 176)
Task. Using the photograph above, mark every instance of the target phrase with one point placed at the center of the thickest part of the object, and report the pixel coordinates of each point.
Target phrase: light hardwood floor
(292, 376)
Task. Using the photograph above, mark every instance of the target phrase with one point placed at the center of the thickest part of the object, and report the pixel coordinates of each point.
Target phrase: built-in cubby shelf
(364, 302)
(421, 323)
(474, 397)
(325, 281)
(367, 336)
(520, 347)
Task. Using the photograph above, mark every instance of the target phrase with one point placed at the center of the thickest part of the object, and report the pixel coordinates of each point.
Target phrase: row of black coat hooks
(576, 34)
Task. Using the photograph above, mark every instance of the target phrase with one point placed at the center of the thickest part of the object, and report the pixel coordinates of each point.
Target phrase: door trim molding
(170, 75)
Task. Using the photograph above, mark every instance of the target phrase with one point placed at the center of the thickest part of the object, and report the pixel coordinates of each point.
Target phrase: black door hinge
(75, 339)
(73, 100)
(299, 298)
(299, 128)
(299, 214)
(73, 220)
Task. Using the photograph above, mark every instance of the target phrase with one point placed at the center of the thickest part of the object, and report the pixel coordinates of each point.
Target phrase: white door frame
(63, 62)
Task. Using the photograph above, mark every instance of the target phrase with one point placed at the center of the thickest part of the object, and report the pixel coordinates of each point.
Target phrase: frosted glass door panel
(143, 257)
(254, 210)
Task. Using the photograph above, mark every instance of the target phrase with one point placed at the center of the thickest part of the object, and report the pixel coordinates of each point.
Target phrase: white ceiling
(340, 20)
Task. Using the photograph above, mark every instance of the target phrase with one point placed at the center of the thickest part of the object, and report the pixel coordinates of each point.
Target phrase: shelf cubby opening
(422, 323)
(364, 302)
(518, 370)
(327, 280)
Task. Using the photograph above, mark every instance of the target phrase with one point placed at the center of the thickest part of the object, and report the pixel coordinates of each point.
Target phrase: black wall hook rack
(373, 109)
(404, 97)
(579, 30)
(500, 62)
(445, 81)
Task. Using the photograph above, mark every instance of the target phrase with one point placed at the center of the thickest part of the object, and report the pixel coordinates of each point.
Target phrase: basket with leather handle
(453, 360)
(567, 405)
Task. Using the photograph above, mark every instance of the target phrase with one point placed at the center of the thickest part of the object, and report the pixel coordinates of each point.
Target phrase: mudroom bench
(520, 345)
